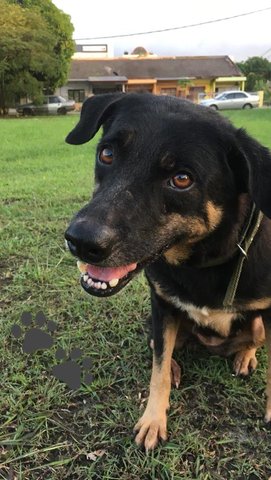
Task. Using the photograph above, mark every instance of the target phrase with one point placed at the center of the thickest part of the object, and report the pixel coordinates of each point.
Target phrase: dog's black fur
(141, 214)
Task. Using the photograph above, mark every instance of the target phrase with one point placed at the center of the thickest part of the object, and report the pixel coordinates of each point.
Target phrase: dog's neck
(224, 244)
(243, 232)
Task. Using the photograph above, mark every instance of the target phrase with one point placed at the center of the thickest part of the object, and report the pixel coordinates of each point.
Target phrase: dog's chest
(217, 319)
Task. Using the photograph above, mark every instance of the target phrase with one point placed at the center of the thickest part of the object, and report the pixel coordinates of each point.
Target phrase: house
(188, 77)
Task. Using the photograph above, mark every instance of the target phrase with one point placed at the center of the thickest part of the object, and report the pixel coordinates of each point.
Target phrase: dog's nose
(91, 243)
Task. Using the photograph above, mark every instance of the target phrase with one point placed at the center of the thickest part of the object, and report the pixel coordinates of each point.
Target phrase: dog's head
(168, 174)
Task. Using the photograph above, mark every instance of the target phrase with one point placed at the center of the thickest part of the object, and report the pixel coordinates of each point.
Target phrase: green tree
(257, 71)
(35, 49)
(59, 24)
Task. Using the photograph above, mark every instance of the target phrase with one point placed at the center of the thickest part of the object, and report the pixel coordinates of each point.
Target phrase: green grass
(256, 122)
(46, 430)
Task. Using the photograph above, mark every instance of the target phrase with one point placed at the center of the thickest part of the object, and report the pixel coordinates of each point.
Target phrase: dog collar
(252, 227)
(247, 236)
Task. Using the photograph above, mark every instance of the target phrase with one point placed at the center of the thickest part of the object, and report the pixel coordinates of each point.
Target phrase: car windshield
(62, 99)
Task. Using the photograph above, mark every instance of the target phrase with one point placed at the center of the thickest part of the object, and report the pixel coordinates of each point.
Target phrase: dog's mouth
(106, 281)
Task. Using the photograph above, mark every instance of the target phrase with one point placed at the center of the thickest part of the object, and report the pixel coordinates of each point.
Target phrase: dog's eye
(106, 156)
(182, 181)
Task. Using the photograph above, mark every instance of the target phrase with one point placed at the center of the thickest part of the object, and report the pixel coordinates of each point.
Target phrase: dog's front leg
(152, 426)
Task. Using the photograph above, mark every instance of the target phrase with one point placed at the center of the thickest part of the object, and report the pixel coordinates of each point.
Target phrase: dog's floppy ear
(254, 170)
(92, 117)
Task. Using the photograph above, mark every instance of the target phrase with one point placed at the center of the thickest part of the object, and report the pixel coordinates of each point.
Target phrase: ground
(52, 430)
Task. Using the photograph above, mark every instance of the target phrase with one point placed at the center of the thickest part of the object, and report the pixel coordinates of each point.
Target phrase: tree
(35, 49)
(60, 26)
(257, 71)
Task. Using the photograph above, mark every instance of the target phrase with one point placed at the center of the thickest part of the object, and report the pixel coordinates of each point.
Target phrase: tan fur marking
(258, 331)
(194, 227)
(219, 320)
(175, 368)
(153, 424)
(160, 292)
(261, 304)
(214, 213)
(177, 254)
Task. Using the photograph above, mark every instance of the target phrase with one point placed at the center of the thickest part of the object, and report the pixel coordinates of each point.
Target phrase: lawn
(47, 429)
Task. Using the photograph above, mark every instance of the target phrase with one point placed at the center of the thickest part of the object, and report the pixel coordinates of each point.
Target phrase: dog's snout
(89, 241)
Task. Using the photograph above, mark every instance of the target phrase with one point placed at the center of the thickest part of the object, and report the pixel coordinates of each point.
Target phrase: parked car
(52, 105)
(232, 99)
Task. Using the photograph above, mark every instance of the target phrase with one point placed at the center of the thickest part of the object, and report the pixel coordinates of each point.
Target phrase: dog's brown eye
(182, 181)
(106, 156)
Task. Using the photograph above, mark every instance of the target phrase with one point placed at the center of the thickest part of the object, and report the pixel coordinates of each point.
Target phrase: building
(188, 77)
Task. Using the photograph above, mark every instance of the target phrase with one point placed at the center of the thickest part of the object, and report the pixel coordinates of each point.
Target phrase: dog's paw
(150, 430)
(245, 362)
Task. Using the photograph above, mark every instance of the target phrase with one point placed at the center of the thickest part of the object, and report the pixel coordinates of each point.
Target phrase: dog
(183, 194)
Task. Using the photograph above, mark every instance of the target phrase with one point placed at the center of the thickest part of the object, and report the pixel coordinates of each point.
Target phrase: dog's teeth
(100, 285)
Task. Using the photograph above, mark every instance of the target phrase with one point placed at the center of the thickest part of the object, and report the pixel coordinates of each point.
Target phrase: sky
(240, 38)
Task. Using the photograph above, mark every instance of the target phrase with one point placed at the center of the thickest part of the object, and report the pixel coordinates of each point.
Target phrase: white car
(232, 99)
(52, 105)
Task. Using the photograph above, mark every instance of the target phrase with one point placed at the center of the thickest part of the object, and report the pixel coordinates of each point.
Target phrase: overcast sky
(240, 37)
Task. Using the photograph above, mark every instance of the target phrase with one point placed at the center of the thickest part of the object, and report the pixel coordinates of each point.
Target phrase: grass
(48, 431)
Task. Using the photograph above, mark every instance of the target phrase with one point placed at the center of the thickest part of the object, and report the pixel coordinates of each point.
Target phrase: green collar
(250, 229)
(244, 244)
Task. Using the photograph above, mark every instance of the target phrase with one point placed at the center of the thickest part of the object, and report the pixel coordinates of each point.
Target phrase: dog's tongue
(108, 273)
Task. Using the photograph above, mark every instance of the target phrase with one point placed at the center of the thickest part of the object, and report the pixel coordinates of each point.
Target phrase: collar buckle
(244, 253)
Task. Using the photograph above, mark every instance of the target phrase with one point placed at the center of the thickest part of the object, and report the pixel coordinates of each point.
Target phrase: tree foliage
(257, 71)
(35, 49)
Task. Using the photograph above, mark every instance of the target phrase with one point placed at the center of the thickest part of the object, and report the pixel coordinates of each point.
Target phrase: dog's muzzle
(92, 246)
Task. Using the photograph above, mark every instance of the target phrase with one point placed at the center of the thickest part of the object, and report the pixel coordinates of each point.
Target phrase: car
(52, 105)
(232, 99)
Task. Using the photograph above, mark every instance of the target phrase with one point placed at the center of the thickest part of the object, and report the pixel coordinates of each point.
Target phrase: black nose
(90, 241)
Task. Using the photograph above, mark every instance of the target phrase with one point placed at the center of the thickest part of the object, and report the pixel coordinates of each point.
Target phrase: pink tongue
(107, 273)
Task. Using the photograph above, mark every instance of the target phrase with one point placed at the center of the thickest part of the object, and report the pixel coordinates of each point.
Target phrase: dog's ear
(94, 113)
(253, 170)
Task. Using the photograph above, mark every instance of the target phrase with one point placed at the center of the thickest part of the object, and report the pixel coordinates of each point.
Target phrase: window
(240, 95)
(77, 95)
(230, 96)
(168, 91)
(53, 100)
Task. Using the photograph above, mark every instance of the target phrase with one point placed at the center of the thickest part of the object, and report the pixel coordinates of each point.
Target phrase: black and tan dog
(185, 195)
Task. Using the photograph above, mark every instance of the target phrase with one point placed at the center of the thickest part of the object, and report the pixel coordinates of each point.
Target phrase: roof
(114, 78)
(159, 68)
